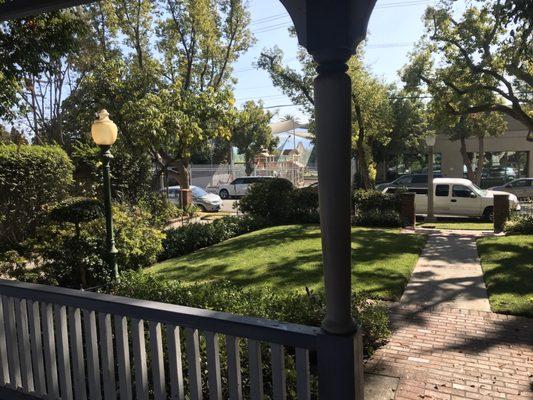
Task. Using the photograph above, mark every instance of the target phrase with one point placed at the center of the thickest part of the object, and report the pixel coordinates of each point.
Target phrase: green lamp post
(104, 133)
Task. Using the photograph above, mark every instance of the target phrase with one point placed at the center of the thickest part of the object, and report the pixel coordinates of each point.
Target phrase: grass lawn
(457, 223)
(289, 257)
(507, 263)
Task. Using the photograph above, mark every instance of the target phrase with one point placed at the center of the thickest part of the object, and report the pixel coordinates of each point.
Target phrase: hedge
(30, 178)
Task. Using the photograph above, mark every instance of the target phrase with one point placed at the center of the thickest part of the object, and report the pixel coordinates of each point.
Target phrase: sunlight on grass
(507, 264)
(464, 225)
(289, 257)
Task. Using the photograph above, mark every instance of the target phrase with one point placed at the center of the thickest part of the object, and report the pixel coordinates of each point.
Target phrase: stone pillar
(501, 211)
(334, 135)
(407, 209)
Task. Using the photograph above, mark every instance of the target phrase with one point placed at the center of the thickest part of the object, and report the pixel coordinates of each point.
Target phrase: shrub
(520, 224)
(370, 200)
(66, 257)
(77, 210)
(302, 308)
(191, 237)
(30, 178)
(160, 209)
(277, 201)
(305, 205)
(385, 218)
(270, 199)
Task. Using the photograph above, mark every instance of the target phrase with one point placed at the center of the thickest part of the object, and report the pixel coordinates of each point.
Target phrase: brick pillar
(407, 209)
(501, 211)
(186, 197)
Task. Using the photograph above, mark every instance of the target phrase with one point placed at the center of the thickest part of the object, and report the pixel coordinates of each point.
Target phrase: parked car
(204, 200)
(458, 197)
(410, 180)
(521, 188)
(240, 186)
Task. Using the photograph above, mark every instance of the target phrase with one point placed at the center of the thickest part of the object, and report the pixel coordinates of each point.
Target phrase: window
(462, 191)
(420, 179)
(520, 183)
(442, 190)
(501, 166)
(198, 192)
(404, 180)
(238, 181)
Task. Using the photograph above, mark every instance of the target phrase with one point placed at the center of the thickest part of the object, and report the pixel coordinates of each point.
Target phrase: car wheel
(488, 214)
(224, 194)
(202, 208)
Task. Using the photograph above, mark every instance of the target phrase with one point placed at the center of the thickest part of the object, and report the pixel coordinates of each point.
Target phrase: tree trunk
(249, 166)
(480, 159)
(361, 152)
(183, 173)
(382, 171)
(466, 160)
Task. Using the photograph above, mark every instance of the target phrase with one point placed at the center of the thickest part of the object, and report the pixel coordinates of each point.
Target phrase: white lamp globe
(103, 130)
(430, 140)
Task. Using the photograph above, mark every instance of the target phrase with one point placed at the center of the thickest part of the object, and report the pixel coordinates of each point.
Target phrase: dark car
(411, 180)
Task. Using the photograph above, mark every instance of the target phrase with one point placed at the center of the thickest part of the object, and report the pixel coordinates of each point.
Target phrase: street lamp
(430, 141)
(104, 133)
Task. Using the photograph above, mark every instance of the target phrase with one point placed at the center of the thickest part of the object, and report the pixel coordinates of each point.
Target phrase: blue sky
(394, 27)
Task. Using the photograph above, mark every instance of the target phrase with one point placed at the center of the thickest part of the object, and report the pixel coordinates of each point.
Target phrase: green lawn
(465, 224)
(289, 257)
(507, 263)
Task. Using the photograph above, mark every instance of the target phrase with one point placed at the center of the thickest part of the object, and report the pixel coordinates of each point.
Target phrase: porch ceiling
(10, 9)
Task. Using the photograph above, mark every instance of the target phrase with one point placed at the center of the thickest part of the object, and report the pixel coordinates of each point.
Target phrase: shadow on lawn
(301, 266)
(510, 274)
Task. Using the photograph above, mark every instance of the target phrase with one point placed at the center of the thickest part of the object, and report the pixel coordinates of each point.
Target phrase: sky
(394, 27)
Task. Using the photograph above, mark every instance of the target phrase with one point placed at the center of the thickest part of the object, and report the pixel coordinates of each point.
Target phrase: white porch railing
(58, 343)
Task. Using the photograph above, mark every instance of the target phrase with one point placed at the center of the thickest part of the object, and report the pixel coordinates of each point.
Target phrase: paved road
(227, 205)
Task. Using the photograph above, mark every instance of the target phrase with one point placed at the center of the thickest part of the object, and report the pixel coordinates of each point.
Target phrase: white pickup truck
(458, 197)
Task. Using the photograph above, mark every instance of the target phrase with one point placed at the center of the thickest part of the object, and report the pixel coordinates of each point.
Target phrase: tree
(485, 59)
(38, 55)
(251, 133)
(371, 111)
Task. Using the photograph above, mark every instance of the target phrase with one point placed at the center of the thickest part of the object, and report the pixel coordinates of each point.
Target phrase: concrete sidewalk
(446, 343)
(448, 273)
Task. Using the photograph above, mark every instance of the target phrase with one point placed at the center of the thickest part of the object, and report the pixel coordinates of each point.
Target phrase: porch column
(333, 131)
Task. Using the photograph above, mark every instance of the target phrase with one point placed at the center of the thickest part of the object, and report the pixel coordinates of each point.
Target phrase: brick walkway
(441, 351)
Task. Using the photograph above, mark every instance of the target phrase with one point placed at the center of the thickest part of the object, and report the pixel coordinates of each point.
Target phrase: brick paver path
(442, 351)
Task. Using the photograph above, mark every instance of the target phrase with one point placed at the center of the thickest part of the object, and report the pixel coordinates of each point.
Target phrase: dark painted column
(500, 212)
(333, 129)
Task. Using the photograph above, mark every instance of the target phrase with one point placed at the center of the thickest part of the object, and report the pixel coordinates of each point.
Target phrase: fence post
(407, 209)
(501, 211)
(340, 366)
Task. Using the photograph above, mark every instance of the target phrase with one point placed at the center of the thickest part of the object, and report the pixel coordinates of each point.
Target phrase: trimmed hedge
(374, 208)
(277, 201)
(30, 178)
(520, 224)
(191, 237)
(264, 302)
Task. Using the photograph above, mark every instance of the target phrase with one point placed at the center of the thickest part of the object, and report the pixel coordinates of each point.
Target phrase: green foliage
(65, 257)
(377, 218)
(370, 200)
(476, 62)
(191, 210)
(374, 208)
(251, 133)
(30, 178)
(77, 210)
(191, 237)
(304, 207)
(296, 307)
(160, 209)
(520, 224)
(271, 199)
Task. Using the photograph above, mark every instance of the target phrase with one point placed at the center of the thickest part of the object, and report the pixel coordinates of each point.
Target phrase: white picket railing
(58, 343)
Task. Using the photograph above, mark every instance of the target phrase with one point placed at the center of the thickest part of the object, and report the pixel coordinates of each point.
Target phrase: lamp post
(104, 133)
(430, 141)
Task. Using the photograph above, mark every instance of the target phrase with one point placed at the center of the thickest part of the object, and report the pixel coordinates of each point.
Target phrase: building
(507, 157)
